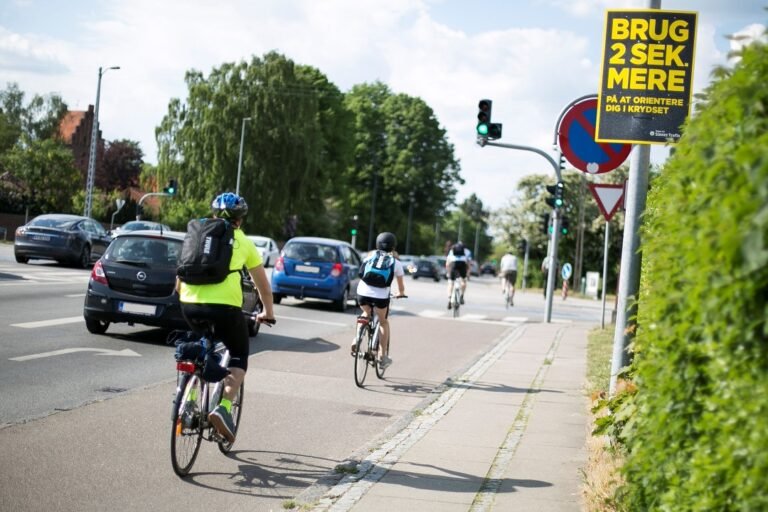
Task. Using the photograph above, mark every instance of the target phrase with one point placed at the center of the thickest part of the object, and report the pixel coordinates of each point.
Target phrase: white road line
(472, 317)
(515, 318)
(432, 313)
(48, 323)
(309, 320)
(75, 295)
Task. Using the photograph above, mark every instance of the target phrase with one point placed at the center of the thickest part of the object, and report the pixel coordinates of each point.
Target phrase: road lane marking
(75, 295)
(309, 320)
(99, 352)
(48, 323)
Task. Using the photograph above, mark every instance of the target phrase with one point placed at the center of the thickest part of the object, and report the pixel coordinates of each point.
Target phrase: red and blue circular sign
(576, 135)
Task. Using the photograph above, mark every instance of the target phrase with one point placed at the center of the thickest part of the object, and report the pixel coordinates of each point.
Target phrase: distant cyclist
(508, 267)
(456, 265)
(221, 303)
(377, 297)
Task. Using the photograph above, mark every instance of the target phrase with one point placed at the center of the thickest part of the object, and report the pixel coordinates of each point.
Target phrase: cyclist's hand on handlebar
(263, 319)
(400, 296)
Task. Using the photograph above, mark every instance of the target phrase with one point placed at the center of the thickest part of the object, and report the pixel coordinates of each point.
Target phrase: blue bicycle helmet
(229, 206)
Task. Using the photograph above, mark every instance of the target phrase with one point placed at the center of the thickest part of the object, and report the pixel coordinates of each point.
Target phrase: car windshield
(155, 252)
(306, 251)
(259, 242)
(53, 222)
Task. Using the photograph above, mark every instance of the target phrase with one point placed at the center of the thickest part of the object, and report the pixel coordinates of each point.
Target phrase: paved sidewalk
(509, 434)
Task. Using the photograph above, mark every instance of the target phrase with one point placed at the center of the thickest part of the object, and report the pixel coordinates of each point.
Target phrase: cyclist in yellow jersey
(220, 304)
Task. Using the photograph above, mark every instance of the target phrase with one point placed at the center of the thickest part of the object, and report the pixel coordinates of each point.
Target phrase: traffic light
(562, 162)
(545, 224)
(494, 131)
(353, 229)
(522, 245)
(564, 226)
(172, 188)
(484, 118)
(557, 192)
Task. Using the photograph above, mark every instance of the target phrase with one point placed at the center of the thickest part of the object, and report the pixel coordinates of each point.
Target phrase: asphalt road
(89, 429)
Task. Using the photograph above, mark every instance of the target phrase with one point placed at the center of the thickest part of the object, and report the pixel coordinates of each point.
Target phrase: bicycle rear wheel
(186, 425)
(361, 356)
(237, 411)
(456, 300)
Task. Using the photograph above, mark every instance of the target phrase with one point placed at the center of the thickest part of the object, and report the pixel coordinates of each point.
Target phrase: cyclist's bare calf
(381, 313)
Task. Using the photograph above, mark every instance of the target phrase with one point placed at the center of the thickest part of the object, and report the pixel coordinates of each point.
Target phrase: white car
(267, 247)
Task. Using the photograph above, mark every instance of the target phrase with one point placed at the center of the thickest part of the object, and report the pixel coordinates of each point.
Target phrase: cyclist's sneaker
(384, 362)
(450, 305)
(353, 348)
(461, 300)
(222, 420)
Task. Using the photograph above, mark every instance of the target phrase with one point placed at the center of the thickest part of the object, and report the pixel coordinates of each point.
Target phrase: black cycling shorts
(458, 268)
(511, 276)
(377, 303)
(229, 326)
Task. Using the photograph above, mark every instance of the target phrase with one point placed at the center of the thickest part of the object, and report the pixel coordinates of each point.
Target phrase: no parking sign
(576, 136)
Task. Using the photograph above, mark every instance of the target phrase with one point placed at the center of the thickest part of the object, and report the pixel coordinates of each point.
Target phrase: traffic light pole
(138, 205)
(552, 253)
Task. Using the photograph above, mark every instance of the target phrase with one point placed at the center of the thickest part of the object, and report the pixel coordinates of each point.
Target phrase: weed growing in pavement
(346, 469)
(601, 473)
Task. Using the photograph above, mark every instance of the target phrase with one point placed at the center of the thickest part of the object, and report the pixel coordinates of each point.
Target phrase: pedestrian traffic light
(171, 188)
(556, 191)
(353, 229)
(564, 226)
(545, 224)
(484, 118)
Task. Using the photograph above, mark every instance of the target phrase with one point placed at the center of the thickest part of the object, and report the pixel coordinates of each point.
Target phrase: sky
(531, 57)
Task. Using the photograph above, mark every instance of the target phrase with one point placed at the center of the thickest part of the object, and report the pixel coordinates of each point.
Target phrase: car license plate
(41, 238)
(308, 268)
(137, 309)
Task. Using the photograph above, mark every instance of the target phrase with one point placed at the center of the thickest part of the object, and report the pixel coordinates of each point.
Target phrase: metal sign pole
(605, 272)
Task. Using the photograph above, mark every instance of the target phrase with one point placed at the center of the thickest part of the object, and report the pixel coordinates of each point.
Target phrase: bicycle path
(509, 434)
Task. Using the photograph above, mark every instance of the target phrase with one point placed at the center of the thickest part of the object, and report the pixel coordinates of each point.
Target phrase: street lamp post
(240, 160)
(92, 156)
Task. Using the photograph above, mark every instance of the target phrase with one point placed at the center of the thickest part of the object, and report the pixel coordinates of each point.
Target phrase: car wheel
(21, 259)
(415, 277)
(85, 257)
(96, 326)
(437, 279)
(341, 304)
(276, 298)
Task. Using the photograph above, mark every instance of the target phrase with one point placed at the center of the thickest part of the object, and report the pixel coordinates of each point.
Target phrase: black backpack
(207, 251)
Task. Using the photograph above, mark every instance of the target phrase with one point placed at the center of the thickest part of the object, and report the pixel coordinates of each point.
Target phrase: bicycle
(509, 294)
(368, 330)
(196, 397)
(456, 296)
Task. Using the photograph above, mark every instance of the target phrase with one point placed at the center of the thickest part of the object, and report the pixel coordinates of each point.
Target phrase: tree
(402, 152)
(48, 173)
(292, 147)
(121, 165)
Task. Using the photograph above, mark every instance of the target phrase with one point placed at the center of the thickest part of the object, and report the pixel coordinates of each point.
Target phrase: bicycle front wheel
(187, 424)
(456, 302)
(237, 411)
(361, 354)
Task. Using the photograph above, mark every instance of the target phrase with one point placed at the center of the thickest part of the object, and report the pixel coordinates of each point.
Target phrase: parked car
(134, 283)
(137, 225)
(71, 239)
(267, 247)
(318, 268)
(474, 268)
(488, 268)
(427, 268)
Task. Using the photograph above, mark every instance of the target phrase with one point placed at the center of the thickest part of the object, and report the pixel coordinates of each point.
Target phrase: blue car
(317, 268)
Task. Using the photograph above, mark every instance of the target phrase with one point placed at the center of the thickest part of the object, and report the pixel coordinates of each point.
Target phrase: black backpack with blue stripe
(378, 270)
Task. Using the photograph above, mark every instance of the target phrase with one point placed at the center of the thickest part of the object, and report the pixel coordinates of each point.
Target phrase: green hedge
(697, 438)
